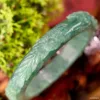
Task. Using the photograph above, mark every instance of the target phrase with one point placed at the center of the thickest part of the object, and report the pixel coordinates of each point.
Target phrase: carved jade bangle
(30, 79)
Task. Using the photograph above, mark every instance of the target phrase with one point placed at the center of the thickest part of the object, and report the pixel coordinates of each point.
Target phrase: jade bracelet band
(30, 79)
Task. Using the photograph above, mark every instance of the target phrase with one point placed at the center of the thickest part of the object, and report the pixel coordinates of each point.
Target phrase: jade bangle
(30, 79)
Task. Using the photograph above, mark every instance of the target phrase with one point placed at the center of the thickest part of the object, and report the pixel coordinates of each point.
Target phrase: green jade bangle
(31, 78)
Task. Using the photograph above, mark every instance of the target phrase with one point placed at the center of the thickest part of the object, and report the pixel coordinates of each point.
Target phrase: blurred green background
(22, 23)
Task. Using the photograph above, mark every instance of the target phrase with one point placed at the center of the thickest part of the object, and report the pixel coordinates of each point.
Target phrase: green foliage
(21, 22)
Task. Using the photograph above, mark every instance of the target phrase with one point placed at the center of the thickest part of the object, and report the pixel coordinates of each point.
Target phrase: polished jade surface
(29, 79)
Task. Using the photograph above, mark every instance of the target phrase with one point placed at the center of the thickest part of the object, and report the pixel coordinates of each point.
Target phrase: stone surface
(46, 47)
(3, 82)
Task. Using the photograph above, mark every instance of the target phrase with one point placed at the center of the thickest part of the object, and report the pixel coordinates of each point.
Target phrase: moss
(21, 24)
